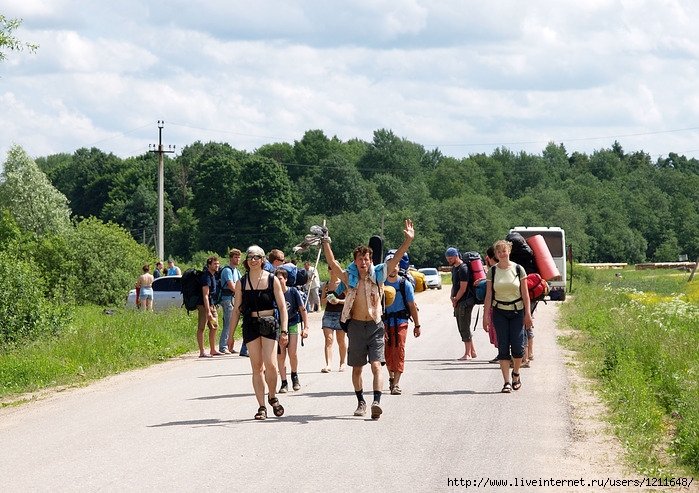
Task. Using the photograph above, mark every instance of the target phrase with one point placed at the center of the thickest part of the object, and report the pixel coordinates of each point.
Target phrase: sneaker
(361, 409)
(531, 357)
(524, 365)
(396, 390)
(375, 410)
(224, 351)
(284, 388)
(494, 360)
(295, 382)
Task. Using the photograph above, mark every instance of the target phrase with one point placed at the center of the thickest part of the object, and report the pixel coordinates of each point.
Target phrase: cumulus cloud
(463, 76)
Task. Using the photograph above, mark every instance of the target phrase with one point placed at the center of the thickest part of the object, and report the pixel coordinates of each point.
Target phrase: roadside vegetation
(95, 344)
(636, 332)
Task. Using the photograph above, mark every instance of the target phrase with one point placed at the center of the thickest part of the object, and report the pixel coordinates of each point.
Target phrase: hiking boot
(361, 409)
(284, 388)
(375, 410)
(295, 382)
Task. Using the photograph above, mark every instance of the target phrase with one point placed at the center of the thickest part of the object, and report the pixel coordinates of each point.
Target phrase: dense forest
(614, 206)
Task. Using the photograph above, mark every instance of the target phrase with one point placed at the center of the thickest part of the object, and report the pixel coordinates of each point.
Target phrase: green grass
(96, 345)
(637, 335)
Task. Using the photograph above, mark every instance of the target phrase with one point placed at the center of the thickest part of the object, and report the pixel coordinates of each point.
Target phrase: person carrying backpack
(463, 299)
(229, 276)
(207, 309)
(298, 326)
(507, 292)
(396, 319)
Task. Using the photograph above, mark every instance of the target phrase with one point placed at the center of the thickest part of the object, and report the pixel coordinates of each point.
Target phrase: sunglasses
(255, 257)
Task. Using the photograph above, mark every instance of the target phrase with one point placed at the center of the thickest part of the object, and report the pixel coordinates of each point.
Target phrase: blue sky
(463, 76)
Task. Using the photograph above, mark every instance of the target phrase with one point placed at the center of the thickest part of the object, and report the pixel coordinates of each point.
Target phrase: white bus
(556, 241)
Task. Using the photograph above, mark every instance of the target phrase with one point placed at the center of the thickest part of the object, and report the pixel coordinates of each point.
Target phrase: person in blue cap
(463, 300)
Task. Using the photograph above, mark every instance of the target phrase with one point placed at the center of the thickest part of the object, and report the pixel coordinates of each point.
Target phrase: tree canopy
(613, 205)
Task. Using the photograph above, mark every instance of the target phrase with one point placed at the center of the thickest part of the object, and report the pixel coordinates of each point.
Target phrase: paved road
(186, 425)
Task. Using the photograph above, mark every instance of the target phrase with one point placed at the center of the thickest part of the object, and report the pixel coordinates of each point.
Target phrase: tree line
(614, 206)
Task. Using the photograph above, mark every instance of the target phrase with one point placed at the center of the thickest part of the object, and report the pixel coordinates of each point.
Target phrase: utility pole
(161, 188)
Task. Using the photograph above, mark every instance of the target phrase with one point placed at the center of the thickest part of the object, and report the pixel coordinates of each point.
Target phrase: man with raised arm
(362, 314)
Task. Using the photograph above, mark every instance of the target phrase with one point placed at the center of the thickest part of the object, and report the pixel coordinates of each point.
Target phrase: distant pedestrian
(158, 270)
(312, 288)
(172, 269)
(145, 286)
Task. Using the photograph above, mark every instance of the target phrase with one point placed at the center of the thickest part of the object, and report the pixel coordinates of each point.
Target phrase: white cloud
(438, 72)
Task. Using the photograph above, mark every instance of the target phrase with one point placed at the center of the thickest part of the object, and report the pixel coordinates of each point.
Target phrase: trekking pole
(320, 249)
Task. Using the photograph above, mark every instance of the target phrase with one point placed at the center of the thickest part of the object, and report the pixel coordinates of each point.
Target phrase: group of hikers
(371, 303)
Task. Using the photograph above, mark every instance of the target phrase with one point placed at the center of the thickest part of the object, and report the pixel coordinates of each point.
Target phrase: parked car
(166, 294)
(432, 277)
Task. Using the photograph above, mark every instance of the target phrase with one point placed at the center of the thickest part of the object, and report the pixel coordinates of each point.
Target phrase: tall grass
(96, 344)
(638, 335)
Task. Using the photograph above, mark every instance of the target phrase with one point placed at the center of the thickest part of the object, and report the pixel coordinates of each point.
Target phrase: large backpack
(521, 253)
(220, 291)
(538, 287)
(190, 287)
(295, 276)
(472, 259)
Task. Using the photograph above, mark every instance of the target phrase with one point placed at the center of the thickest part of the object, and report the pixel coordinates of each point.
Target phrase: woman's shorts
(251, 331)
(331, 320)
(294, 329)
(146, 293)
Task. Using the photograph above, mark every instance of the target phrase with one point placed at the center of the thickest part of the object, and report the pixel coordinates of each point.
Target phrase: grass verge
(96, 345)
(637, 335)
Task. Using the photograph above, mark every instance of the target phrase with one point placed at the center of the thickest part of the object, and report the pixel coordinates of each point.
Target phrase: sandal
(390, 384)
(261, 413)
(516, 384)
(507, 388)
(276, 407)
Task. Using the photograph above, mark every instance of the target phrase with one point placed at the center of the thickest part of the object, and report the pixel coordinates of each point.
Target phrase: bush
(105, 262)
(24, 312)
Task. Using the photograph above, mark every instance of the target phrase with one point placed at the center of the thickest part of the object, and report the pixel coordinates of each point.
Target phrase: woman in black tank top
(259, 294)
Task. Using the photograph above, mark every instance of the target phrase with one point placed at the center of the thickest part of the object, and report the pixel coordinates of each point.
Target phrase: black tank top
(258, 300)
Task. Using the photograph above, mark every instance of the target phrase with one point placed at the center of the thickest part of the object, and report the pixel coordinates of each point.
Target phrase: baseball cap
(451, 252)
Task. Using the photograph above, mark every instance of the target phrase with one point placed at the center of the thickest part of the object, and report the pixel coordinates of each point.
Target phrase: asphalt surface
(187, 424)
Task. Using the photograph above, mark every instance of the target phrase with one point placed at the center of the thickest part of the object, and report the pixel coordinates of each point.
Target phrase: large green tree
(34, 202)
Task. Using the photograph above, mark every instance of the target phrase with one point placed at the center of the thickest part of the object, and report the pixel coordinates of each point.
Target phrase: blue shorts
(146, 293)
